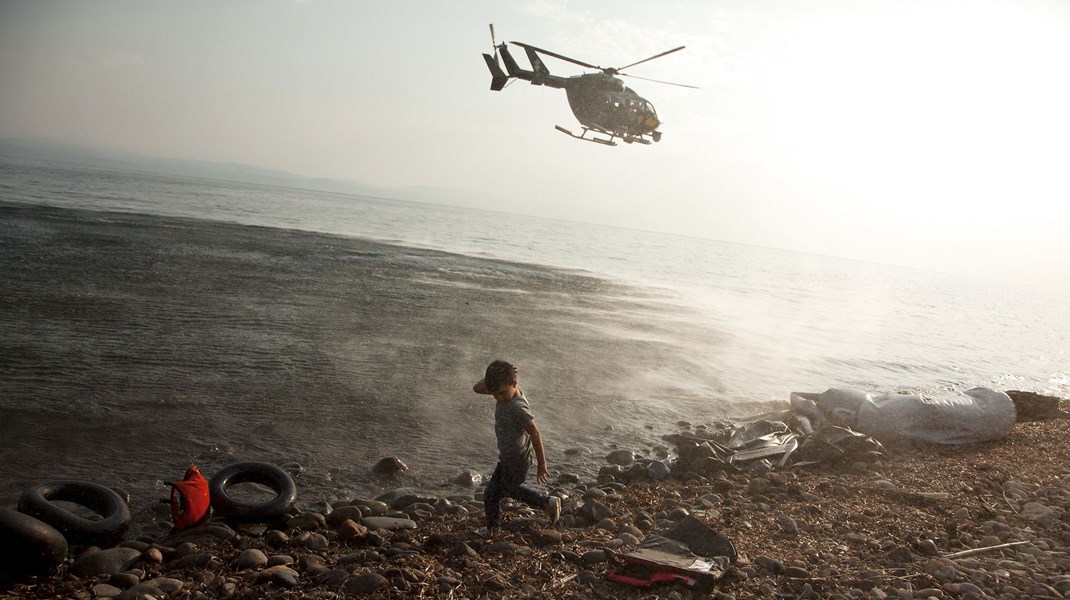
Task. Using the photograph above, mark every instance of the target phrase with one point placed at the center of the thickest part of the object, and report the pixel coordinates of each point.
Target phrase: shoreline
(986, 520)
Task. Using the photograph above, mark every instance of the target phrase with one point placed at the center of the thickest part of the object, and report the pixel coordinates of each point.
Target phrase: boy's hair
(499, 373)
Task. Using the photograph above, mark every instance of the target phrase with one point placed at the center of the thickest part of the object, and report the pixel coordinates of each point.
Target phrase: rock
(250, 559)
(342, 514)
(1031, 406)
(900, 555)
(621, 457)
(140, 591)
(375, 508)
(772, 565)
(501, 547)
(468, 479)
(332, 577)
(312, 564)
(388, 523)
(254, 530)
(388, 467)
(1040, 513)
(594, 494)
(546, 537)
(361, 556)
(446, 583)
(350, 531)
(104, 590)
(594, 511)
(365, 583)
(167, 585)
(606, 525)
(276, 538)
(310, 541)
(124, 581)
(280, 559)
(592, 557)
(399, 498)
(104, 562)
(928, 547)
(285, 579)
(307, 521)
(464, 550)
(678, 513)
(152, 556)
(270, 573)
(658, 470)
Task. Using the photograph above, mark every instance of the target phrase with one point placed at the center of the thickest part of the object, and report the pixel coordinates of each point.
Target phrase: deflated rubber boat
(966, 417)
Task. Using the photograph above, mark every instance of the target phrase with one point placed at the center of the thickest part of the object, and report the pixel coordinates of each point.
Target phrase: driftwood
(973, 551)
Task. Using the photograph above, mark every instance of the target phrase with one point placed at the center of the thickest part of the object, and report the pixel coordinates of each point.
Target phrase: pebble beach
(979, 521)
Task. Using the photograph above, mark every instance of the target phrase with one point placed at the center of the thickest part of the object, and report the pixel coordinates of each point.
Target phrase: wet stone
(104, 590)
(594, 557)
(546, 537)
(308, 521)
(464, 550)
(276, 538)
(771, 565)
(279, 559)
(340, 515)
(250, 559)
(124, 580)
(333, 577)
(311, 541)
(620, 457)
(366, 583)
(446, 583)
(312, 564)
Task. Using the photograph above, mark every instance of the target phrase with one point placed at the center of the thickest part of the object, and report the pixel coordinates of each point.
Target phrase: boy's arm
(542, 474)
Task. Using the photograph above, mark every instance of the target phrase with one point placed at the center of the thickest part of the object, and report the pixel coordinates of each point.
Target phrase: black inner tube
(40, 502)
(253, 472)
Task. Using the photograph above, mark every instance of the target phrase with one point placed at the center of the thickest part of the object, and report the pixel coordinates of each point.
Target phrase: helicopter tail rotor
(498, 78)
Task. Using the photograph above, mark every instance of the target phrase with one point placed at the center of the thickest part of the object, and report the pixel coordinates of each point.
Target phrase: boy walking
(514, 426)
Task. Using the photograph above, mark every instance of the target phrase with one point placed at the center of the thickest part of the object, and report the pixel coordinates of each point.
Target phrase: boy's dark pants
(507, 481)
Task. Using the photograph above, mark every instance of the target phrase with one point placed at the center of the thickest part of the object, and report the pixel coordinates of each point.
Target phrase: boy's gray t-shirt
(510, 419)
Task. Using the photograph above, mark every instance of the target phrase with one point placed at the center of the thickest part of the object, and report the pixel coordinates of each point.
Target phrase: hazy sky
(932, 134)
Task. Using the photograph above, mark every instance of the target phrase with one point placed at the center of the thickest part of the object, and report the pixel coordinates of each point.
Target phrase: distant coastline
(26, 149)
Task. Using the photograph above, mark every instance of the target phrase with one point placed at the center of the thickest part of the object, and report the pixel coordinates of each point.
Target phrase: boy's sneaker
(484, 532)
(553, 509)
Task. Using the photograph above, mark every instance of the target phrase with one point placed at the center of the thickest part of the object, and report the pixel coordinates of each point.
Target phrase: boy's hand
(542, 475)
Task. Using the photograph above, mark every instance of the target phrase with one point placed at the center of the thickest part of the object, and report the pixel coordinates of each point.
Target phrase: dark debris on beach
(980, 521)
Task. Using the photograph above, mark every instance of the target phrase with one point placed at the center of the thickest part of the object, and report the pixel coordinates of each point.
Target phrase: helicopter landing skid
(586, 130)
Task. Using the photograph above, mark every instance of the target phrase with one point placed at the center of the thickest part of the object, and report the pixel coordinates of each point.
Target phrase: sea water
(618, 333)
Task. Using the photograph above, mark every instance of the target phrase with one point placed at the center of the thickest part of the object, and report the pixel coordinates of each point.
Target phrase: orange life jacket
(190, 500)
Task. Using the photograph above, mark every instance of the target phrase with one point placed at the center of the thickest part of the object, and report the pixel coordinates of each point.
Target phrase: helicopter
(601, 102)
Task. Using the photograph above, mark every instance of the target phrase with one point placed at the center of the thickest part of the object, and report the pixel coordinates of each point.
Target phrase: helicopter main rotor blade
(694, 87)
(651, 58)
(560, 56)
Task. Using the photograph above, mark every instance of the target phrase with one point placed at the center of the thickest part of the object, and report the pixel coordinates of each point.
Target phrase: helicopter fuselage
(599, 101)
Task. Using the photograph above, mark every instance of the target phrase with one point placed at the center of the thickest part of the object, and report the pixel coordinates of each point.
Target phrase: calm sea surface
(156, 321)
